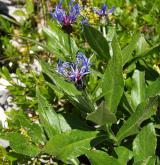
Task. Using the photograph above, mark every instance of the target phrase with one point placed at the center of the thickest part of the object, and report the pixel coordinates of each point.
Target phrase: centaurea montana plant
(75, 71)
(103, 16)
(66, 18)
(103, 12)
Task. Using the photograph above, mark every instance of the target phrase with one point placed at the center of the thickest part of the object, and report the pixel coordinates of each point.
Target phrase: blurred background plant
(41, 107)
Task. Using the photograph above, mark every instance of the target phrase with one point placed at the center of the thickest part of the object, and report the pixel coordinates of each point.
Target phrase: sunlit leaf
(144, 145)
(70, 144)
(138, 90)
(48, 116)
(102, 116)
(153, 89)
(124, 154)
(97, 42)
(112, 82)
(128, 50)
(60, 43)
(21, 145)
(97, 156)
(144, 111)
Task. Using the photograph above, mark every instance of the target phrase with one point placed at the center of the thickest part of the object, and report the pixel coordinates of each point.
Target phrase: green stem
(70, 48)
(44, 11)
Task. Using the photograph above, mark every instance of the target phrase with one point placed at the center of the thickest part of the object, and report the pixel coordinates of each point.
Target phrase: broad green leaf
(112, 82)
(124, 154)
(98, 157)
(128, 50)
(59, 42)
(144, 111)
(102, 116)
(142, 45)
(21, 145)
(150, 160)
(69, 145)
(48, 116)
(97, 42)
(153, 89)
(144, 145)
(138, 90)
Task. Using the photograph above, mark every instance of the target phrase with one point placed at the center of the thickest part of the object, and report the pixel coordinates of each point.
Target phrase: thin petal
(103, 9)
(111, 10)
(74, 12)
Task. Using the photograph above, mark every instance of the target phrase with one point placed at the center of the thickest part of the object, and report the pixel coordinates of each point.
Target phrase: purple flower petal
(75, 71)
(74, 12)
(111, 10)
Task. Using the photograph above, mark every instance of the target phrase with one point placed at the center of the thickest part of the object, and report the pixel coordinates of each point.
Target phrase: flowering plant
(73, 111)
(75, 71)
(66, 18)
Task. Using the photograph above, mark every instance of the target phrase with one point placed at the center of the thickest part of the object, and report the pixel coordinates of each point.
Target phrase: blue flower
(103, 12)
(75, 71)
(66, 18)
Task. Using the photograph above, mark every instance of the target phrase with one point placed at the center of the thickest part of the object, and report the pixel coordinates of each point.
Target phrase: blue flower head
(66, 18)
(103, 12)
(75, 71)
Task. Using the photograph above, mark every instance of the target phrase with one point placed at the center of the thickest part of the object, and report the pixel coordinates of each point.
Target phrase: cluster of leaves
(114, 120)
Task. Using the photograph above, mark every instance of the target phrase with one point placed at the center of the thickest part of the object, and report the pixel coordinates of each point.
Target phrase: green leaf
(29, 6)
(148, 161)
(48, 116)
(19, 120)
(144, 145)
(59, 42)
(128, 50)
(21, 145)
(102, 116)
(153, 89)
(112, 82)
(19, 13)
(5, 73)
(144, 111)
(97, 42)
(138, 90)
(68, 145)
(142, 46)
(124, 154)
(148, 18)
(97, 157)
